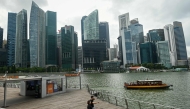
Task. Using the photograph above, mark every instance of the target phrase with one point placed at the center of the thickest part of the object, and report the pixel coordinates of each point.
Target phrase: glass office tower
(69, 47)
(37, 36)
(91, 26)
(11, 34)
(1, 37)
(155, 35)
(21, 39)
(51, 38)
(148, 53)
(104, 33)
(180, 41)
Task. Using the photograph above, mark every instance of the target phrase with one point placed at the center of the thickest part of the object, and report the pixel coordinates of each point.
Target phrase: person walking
(92, 102)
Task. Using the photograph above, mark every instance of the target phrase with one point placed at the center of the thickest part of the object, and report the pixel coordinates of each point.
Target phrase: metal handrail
(102, 95)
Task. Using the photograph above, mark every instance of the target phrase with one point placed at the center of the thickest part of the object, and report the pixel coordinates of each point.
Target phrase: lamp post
(5, 90)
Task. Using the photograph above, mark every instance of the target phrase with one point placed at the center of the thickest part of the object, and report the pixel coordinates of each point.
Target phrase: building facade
(104, 33)
(69, 51)
(128, 48)
(180, 42)
(3, 57)
(163, 53)
(169, 36)
(1, 37)
(11, 34)
(136, 31)
(124, 22)
(80, 62)
(91, 26)
(120, 53)
(94, 52)
(156, 35)
(51, 38)
(37, 36)
(21, 39)
(148, 52)
(110, 66)
(112, 53)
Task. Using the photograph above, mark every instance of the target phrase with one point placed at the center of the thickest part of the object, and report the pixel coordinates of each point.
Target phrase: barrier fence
(125, 102)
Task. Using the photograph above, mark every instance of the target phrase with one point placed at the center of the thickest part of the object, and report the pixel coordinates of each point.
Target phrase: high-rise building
(163, 53)
(69, 46)
(80, 55)
(104, 32)
(136, 31)
(11, 34)
(148, 53)
(112, 53)
(1, 37)
(169, 36)
(180, 41)
(82, 29)
(3, 57)
(128, 48)
(120, 53)
(123, 22)
(51, 38)
(155, 35)
(37, 36)
(76, 49)
(59, 50)
(21, 39)
(91, 26)
(94, 52)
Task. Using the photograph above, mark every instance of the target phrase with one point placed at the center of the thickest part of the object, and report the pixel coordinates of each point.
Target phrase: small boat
(146, 84)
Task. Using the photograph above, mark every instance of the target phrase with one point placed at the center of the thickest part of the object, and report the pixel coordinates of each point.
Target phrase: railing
(125, 102)
(10, 85)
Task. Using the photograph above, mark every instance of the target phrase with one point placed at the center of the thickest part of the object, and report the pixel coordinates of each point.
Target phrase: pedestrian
(89, 106)
(92, 102)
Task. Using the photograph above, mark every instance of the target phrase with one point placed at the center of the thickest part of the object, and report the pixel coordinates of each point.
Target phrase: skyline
(149, 15)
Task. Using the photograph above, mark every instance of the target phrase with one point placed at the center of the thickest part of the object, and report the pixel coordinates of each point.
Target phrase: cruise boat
(146, 84)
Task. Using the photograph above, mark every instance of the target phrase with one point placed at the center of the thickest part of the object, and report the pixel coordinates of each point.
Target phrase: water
(178, 96)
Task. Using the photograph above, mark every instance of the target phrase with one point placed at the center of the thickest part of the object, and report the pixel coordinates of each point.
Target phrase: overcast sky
(152, 14)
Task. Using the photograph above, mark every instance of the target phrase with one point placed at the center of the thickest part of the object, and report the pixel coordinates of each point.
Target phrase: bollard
(127, 107)
(139, 105)
(154, 106)
(115, 101)
(108, 98)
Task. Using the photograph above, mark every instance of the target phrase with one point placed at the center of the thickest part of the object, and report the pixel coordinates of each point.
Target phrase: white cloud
(151, 14)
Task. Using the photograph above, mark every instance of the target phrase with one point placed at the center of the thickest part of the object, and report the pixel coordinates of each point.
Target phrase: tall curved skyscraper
(21, 39)
(91, 26)
(37, 36)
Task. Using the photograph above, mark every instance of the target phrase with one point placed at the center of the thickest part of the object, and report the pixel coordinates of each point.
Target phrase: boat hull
(147, 87)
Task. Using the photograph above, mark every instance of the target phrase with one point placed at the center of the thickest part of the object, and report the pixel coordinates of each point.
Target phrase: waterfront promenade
(72, 99)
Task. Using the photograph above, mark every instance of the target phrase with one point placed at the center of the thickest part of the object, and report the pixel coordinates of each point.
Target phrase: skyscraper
(169, 36)
(37, 36)
(136, 31)
(51, 38)
(69, 46)
(123, 22)
(1, 37)
(148, 52)
(21, 39)
(128, 48)
(104, 32)
(11, 34)
(180, 41)
(82, 29)
(155, 35)
(163, 53)
(91, 26)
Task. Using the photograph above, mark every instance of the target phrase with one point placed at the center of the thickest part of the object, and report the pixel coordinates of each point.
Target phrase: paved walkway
(72, 99)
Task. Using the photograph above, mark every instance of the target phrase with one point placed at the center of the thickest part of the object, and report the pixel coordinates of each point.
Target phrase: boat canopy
(149, 81)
